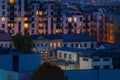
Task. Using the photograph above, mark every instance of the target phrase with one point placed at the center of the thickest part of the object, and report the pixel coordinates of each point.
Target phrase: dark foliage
(48, 72)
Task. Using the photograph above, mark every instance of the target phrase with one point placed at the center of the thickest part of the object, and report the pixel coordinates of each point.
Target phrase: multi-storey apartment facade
(14, 16)
(51, 18)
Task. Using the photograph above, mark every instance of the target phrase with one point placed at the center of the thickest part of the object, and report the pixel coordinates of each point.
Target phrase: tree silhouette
(48, 72)
(23, 43)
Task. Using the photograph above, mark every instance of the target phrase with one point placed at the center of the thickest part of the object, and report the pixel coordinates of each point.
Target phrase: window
(70, 56)
(11, 1)
(3, 13)
(51, 44)
(59, 44)
(72, 45)
(26, 25)
(40, 12)
(65, 45)
(1, 45)
(96, 67)
(80, 18)
(3, 6)
(32, 31)
(65, 55)
(32, 26)
(55, 45)
(85, 59)
(75, 19)
(60, 55)
(3, 25)
(75, 25)
(69, 19)
(85, 44)
(76, 45)
(37, 45)
(106, 59)
(96, 59)
(106, 67)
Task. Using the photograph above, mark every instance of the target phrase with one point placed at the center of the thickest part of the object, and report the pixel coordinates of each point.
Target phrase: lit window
(54, 45)
(40, 12)
(80, 24)
(25, 19)
(8, 25)
(36, 12)
(40, 19)
(11, 1)
(3, 19)
(51, 44)
(25, 25)
(59, 44)
(40, 31)
(75, 19)
(69, 19)
(19, 19)
(40, 25)
(58, 30)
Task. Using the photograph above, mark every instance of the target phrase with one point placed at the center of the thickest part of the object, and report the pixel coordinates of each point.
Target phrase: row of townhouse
(54, 18)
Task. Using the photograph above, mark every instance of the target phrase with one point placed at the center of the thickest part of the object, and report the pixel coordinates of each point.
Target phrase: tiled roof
(86, 51)
(67, 37)
(5, 36)
(77, 37)
(108, 45)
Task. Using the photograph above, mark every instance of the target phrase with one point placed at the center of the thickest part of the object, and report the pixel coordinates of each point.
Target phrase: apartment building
(14, 16)
(54, 18)
(102, 27)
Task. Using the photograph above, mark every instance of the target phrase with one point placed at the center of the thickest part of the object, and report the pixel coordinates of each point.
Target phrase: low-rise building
(73, 58)
(5, 40)
(19, 61)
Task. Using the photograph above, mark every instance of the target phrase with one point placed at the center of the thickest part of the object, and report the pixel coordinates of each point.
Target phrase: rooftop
(5, 36)
(86, 51)
(66, 37)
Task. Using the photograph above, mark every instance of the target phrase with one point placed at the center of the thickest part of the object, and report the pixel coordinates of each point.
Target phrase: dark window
(106, 59)
(3, 6)
(32, 31)
(106, 67)
(85, 59)
(3, 25)
(37, 45)
(65, 45)
(32, 25)
(75, 25)
(85, 44)
(60, 54)
(51, 54)
(76, 45)
(80, 18)
(72, 45)
(96, 67)
(70, 56)
(65, 55)
(96, 59)
(3, 12)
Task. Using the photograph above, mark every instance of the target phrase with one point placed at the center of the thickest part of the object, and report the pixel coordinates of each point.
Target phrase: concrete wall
(6, 62)
(29, 62)
(93, 74)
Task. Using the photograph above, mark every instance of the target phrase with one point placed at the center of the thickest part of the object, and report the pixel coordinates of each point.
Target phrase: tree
(23, 43)
(48, 72)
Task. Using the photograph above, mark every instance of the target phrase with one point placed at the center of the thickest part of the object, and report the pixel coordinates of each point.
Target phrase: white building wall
(85, 64)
